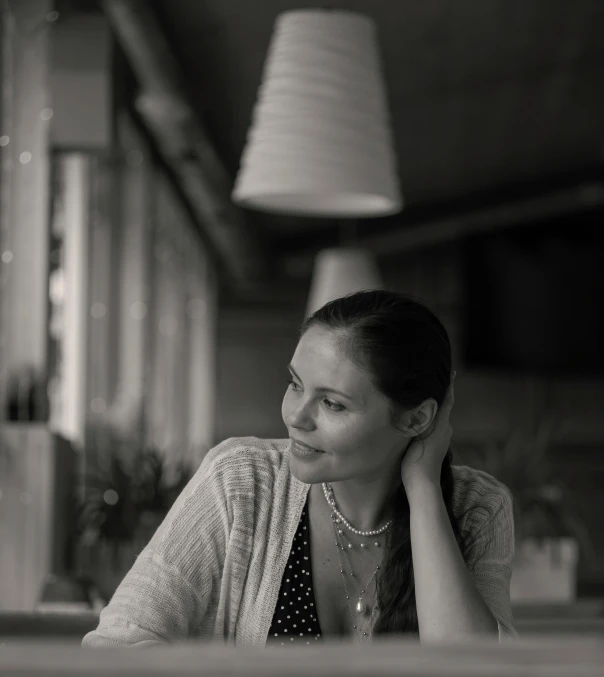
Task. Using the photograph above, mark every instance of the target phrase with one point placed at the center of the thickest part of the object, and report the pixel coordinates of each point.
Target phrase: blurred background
(147, 311)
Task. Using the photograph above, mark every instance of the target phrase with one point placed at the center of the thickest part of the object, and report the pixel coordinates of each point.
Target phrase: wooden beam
(411, 237)
(182, 142)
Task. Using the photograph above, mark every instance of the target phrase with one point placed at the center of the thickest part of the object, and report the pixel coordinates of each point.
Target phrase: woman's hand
(424, 457)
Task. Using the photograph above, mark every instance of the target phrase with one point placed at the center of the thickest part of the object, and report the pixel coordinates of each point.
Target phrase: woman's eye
(293, 384)
(333, 405)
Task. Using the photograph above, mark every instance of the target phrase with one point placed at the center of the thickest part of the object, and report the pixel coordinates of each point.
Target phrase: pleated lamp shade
(320, 143)
(340, 271)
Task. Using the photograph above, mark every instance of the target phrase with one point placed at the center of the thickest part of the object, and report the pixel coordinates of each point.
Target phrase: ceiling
(491, 101)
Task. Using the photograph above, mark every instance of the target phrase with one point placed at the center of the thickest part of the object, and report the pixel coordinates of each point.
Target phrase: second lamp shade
(341, 271)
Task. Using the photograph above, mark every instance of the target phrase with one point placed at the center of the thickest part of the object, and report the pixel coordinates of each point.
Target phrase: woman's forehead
(323, 343)
(321, 353)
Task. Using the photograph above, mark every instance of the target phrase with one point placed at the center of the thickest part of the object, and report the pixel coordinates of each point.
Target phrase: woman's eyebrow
(323, 389)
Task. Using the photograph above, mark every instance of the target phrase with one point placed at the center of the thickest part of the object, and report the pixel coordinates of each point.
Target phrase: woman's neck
(366, 505)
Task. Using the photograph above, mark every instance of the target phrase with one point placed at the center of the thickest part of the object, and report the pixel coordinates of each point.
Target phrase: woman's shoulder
(245, 456)
(236, 471)
(478, 497)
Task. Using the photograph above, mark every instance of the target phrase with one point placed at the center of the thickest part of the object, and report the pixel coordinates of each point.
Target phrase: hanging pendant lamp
(320, 142)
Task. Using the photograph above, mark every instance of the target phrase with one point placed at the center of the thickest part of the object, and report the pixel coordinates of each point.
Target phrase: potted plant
(549, 535)
(126, 494)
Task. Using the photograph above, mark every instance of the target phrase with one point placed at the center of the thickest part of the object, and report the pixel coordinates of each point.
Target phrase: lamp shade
(340, 271)
(320, 142)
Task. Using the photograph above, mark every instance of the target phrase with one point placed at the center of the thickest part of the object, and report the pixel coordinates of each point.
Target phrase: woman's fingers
(444, 411)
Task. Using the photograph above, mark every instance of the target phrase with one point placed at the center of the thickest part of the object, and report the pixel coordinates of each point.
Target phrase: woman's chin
(306, 472)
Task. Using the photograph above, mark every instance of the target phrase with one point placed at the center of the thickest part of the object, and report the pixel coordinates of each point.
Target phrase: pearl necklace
(339, 518)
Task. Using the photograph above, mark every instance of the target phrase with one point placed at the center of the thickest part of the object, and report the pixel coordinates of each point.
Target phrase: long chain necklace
(360, 607)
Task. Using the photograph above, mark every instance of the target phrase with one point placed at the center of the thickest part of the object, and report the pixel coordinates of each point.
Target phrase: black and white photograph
(302, 338)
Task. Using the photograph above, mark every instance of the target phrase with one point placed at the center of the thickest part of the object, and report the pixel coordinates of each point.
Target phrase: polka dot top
(295, 619)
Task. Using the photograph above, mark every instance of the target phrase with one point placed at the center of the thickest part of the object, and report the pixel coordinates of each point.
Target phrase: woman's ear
(418, 421)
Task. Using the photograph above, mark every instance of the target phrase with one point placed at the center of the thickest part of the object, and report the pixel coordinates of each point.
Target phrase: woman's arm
(459, 598)
(455, 599)
(154, 604)
(449, 605)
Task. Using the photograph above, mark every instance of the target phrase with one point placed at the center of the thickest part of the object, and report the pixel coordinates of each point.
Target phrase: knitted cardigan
(213, 569)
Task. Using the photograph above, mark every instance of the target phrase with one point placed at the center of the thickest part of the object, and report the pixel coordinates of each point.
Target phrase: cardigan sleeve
(154, 604)
(165, 595)
(489, 559)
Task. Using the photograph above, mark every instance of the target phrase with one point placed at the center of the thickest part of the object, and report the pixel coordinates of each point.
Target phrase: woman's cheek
(285, 407)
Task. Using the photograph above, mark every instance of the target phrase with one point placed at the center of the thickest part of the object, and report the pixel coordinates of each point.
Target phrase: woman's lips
(303, 449)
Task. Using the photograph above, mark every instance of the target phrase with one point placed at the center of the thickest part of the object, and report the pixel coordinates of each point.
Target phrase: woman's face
(332, 406)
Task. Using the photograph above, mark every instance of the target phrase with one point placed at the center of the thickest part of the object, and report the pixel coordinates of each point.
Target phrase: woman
(356, 525)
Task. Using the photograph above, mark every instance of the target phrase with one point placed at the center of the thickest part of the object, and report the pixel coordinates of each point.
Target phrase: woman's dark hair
(405, 350)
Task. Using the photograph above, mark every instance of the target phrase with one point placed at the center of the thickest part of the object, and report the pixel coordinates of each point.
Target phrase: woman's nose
(300, 416)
